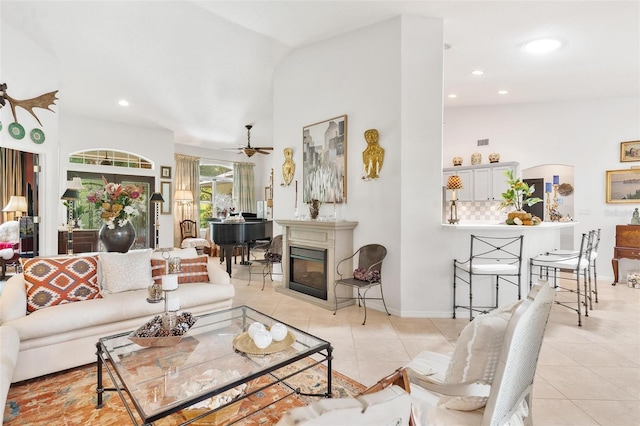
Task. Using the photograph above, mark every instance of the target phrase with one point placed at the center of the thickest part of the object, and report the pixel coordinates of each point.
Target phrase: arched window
(110, 157)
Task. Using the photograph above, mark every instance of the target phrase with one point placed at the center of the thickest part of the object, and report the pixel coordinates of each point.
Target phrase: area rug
(69, 398)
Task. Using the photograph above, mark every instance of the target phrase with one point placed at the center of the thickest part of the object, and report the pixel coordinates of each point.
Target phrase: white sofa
(63, 336)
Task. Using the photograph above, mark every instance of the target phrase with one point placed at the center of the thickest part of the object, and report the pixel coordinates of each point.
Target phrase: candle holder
(155, 293)
(170, 315)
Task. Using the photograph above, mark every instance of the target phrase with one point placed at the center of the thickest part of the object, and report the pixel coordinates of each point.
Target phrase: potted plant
(518, 195)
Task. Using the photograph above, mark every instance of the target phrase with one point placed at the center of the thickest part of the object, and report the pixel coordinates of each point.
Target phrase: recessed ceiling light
(543, 45)
(123, 102)
(452, 96)
(477, 72)
(502, 92)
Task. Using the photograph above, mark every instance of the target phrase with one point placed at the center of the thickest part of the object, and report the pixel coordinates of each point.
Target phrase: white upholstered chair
(478, 386)
(487, 381)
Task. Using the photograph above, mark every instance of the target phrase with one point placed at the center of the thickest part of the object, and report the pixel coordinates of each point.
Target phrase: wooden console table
(627, 246)
(84, 241)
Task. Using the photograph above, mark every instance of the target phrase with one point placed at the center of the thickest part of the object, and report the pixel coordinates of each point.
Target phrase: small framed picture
(629, 151)
(165, 172)
(165, 190)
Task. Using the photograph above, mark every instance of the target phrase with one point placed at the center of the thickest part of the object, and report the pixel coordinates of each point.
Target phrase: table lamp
(17, 204)
(156, 198)
(453, 183)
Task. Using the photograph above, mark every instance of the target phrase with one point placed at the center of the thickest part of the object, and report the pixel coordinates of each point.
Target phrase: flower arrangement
(518, 194)
(117, 204)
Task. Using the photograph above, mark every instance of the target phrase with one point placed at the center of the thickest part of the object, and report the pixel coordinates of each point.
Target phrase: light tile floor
(587, 375)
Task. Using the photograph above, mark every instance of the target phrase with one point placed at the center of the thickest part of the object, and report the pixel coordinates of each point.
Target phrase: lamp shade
(17, 203)
(454, 182)
(184, 195)
(75, 183)
(156, 197)
(70, 194)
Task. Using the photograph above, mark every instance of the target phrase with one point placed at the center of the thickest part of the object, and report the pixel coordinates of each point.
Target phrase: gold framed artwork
(324, 161)
(165, 190)
(165, 172)
(629, 151)
(623, 186)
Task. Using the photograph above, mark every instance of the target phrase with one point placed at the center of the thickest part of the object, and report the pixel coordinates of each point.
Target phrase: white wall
(585, 134)
(386, 76)
(30, 71)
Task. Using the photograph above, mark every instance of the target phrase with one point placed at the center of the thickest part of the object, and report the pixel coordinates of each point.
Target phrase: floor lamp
(70, 196)
(184, 197)
(156, 198)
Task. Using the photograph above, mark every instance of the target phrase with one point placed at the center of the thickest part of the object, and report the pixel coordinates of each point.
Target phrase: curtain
(243, 187)
(187, 178)
(10, 178)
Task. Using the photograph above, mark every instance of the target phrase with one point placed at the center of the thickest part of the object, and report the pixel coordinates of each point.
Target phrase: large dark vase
(119, 239)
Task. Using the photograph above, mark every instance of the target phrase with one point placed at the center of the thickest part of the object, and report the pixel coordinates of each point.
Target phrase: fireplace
(310, 252)
(308, 271)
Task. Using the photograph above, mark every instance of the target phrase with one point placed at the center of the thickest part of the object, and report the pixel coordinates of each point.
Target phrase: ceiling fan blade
(266, 148)
(262, 152)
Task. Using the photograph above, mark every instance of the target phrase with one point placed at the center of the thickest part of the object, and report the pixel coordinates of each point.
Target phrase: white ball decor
(262, 339)
(278, 331)
(254, 328)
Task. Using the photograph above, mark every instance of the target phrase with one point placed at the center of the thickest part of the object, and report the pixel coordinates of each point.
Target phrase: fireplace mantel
(334, 236)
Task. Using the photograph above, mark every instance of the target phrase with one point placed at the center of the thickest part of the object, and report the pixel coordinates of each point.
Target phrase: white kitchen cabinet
(484, 182)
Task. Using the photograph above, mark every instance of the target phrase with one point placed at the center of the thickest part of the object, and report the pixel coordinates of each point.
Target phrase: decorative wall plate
(37, 136)
(16, 130)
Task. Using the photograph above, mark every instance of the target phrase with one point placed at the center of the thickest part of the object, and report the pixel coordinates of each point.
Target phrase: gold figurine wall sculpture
(288, 167)
(372, 156)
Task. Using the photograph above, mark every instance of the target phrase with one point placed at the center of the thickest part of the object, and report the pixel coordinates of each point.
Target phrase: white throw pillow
(476, 354)
(125, 271)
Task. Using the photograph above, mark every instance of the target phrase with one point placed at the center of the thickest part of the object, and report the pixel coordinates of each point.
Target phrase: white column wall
(386, 76)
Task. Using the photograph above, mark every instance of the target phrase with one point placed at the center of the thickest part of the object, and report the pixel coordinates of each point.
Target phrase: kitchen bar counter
(537, 240)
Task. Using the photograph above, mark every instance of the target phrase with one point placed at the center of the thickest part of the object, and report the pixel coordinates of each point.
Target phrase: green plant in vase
(518, 195)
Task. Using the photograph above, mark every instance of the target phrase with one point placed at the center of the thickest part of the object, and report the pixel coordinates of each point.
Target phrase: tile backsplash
(477, 210)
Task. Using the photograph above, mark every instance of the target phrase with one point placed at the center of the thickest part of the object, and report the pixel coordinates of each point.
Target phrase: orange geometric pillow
(61, 280)
(158, 269)
(194, 270)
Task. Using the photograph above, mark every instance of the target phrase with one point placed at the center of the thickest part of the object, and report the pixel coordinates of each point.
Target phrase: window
(216, 191)
(110, 157)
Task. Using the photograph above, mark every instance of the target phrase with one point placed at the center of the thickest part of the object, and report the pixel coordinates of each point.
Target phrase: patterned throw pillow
(158, 269)
(61, 280)
(193, 270)
(372, 276)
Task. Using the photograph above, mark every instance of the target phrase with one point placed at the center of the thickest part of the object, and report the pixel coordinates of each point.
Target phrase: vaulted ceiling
(203, 69)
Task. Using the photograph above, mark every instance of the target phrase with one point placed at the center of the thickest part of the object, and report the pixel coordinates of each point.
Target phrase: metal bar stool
(576, 263)
(499, 257)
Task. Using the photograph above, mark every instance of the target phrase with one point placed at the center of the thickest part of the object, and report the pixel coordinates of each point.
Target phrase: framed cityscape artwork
(324, 161)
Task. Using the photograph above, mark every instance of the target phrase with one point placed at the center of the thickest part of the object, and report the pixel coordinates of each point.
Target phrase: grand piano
(231, 234)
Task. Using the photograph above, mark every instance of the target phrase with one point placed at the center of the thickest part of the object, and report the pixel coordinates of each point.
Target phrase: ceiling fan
(250, 150)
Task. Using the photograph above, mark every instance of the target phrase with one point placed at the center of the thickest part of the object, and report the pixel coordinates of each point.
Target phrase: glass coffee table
(205, 369)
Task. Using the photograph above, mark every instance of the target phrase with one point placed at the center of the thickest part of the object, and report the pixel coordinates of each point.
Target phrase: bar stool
(577, 263)
(499, 257)
(592, 264)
